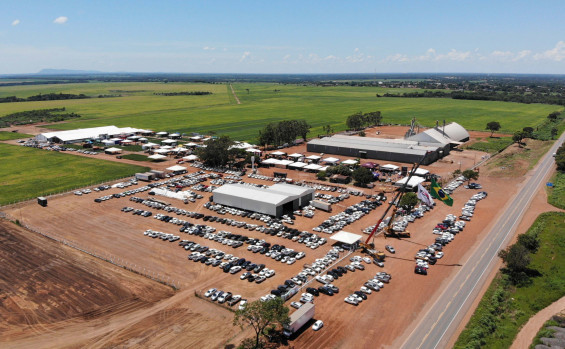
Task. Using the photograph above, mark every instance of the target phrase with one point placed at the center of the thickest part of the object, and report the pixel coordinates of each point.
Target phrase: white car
(210, 292)
(351, 300)
(242, 304)
(317, 325)
(439, 255)
(365, 290)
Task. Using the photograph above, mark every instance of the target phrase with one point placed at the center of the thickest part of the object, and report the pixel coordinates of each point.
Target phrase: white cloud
(522, 54)
(555, 54)
(245, 56)
(16, 22)
(397, 58)
(206, 48)
(330, 58)
(286, 57)
(356, 49)
(61, 20)
(454, 55)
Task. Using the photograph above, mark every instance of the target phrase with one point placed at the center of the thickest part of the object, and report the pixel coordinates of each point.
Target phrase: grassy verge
(516, 161)
(136, 157)
(491, 145)
(556, 195)
(7, 136)
(134, 147)
(505, 308)
(28, 172)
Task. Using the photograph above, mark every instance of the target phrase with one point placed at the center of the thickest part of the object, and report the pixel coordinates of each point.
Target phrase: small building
(349, 239)
(112, 151)
(276, 200)
(337, 178)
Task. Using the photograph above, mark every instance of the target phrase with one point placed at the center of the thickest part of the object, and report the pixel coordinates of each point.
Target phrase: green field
(505, 308)
(28, 172)
(7, 136)
(139, 107)
(136, 157)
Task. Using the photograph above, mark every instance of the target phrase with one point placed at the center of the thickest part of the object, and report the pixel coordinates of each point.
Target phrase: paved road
(443, 319)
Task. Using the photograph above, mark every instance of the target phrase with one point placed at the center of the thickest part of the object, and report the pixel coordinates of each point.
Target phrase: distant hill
(67, 72)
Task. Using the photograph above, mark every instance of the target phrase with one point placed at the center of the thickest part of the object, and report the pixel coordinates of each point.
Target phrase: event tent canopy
(162, 151)
(349, 162)
(296, 155)
(421, 172)
(253, 150)
(413, 182)
(157, 157)
(190, 157)
(389, 167)
(346, 237)
(113, 150)
(313, 157)
(278, 153)
(313, 167)
(297, 164)
(331, 160)
(270, 161)
(176, 168)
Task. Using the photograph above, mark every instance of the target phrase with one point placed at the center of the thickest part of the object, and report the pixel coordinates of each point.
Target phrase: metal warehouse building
(82, 134)
(397, 150)
(275, 200)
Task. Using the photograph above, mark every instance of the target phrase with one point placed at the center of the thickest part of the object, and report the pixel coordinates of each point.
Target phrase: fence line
(104, 256)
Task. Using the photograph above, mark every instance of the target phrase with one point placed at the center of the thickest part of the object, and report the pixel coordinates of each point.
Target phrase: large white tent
(157, 157)
(412, 183)
(81, 134)
(112, 151)
(346, 237)
(176, 168)
(191, 157)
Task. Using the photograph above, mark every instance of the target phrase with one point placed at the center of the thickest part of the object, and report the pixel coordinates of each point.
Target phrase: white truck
(322, 205)
(299, 318)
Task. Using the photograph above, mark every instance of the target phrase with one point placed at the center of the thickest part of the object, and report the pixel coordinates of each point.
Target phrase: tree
(217, 152)
(362, 176)
(528, 132)
(409, 200)
(554, 132)
(529, 241)
(493, 126)
(354, 121)
(553, 116)
(321, 175)
(259, 315)
(517, 259)
(362, 134)
(470, 174)
(328, 129)
(339, 169)
(517, 137)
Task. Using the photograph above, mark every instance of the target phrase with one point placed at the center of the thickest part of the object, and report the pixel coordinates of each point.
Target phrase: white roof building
(346, 237)
(82, 134)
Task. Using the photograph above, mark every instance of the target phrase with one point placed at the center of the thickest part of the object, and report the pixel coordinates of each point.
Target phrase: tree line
(500, 96)
(33, 116)
(189, 93)
(361, 120)
(283, 132)
(43, 97)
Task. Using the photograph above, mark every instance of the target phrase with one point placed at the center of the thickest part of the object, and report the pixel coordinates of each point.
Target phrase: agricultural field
(29, 172)
(7, 136)
(262, 103)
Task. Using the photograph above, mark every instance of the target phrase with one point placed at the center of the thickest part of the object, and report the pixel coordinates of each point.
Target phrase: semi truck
(299, 318)
(322, 205)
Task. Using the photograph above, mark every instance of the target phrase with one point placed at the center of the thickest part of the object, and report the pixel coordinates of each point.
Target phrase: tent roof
(346, 237)
(94, 132)
(253, 193)
(162, 151)
(421, 172)
(414, 181)
(157, 157)
(389, 167)
(252, 150)
(349, 162)
(169, 141)
(113, 150)
(284, 162)
(271, 161)
(297, 164)
(314, 157)
(176, 168)
(296, 155)
(331, 159)
(313, 167)
(190, 157)
(278, 153)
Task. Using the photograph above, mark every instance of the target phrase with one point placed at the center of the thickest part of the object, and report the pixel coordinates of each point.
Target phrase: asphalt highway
(444, 317)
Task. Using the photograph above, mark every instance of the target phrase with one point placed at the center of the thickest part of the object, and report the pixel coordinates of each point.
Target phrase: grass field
(490, 144)
(505, 308)
(7, 136)
(136, 157)
(139, 107)
(556, 195)
(28, 172)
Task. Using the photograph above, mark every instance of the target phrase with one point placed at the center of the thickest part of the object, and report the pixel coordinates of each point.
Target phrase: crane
(368, 246)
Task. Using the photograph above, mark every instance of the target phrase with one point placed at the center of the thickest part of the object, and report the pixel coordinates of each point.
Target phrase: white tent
(175, 135)
(133, 138)
(296, 155)
(166, 147)
(107, 142)
(349, 162)
(270, 161)
(179, 149)
(127, 141)
(112, 150)
(346, 237)
(169, 141)
(190, 144)
(190, 158)
(162, 151)
(284, 162)
(313, 157)
(176, 168)
(313, 167)
(157, 157)
(142, 139)
(162, 133)
(389, 167)
(331, 160)
(252, 150)
(278, 153)
(196, 138)
(149, 145)
(414, 181)
(421, 172)
(297, 165)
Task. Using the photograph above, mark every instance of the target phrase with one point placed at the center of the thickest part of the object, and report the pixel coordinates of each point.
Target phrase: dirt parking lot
(183, 319)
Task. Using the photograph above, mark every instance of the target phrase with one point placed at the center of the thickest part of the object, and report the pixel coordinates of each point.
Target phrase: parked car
(390, 249)
(317, 325)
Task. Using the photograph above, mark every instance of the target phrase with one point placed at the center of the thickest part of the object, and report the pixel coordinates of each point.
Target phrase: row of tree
(43, 97)
(361, 120)
(560, 158)
(283, 132)
(189, 93)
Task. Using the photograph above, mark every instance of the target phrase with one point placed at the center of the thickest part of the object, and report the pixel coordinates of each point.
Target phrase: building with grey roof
(452, 133)
(397, 150)
(276, 200)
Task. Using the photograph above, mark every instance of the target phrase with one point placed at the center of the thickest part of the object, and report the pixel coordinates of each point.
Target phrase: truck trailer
(321, 205)
(299, 318)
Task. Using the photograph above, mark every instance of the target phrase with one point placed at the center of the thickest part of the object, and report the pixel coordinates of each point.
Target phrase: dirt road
(532, 327)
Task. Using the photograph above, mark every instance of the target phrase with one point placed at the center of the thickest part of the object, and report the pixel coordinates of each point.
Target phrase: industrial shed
(396, 150)
(452, 133)
(82, 134)
(276, 200)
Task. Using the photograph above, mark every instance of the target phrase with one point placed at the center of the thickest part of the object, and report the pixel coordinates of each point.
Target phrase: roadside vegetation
(533, 277)
(518, 159)
(490, 145)
(29, 172)
(7, 136)
(556, 194)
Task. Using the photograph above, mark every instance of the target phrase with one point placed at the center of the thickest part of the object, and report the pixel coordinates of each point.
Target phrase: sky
(283, 37)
